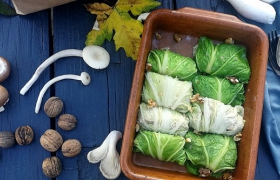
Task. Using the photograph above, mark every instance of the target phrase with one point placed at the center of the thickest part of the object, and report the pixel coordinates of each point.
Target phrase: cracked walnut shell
(24, 135)
(51, 140)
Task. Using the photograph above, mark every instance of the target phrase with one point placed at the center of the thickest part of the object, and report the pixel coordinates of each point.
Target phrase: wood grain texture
(24, 41)
(99, 107)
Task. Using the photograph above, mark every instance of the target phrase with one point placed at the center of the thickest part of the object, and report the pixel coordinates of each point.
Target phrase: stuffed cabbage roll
(220, 89)
(162, 120)
(210, 154)
(212, 116)
(166, 62)
(161, 146)
(165, 91)
(222, 60)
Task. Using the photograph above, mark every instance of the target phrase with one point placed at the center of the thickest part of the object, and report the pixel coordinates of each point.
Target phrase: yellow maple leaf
(117, 19)
(127, 33)
(137, 6)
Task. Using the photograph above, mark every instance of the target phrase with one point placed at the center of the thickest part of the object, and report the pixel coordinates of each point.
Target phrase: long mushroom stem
(84, 77)
(46, 63)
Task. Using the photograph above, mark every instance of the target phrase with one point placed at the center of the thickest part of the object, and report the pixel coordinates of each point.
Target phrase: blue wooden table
(99, 107)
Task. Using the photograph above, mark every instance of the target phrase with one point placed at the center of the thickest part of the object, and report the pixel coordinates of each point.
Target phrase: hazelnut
(7, 139)
(67, 122)
(24, 135)
(71, 148)
(51, 167)
(53, 106)
(51, 140)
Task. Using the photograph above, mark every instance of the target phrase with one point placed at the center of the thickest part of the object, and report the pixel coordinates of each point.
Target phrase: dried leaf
(99, 8)
(117, 19)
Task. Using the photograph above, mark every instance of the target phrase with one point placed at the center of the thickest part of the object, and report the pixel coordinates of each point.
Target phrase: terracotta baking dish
(191, 24)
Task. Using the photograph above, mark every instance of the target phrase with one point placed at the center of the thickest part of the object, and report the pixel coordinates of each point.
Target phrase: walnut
(24, 135)
(7, 139)
(51, 140)
(71, 148)
(67, 122)
(53, 106)
(177, 37)
(51, 167)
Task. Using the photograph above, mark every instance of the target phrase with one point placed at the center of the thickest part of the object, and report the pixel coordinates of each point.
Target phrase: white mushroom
(108, 155)
(270, 1)
(255, 10)
(95, 56)
(4, 97)
(84, 78)
(5, 69)
(143, 16)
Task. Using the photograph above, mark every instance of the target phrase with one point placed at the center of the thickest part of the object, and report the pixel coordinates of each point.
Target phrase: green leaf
(165, 147)
(6, 9)
(222, 60)
(220, 89)
(212, 151)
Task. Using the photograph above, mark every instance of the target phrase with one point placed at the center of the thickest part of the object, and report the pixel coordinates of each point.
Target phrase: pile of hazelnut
(52, 141)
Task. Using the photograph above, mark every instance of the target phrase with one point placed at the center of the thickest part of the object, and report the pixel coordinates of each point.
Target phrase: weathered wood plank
(24, 41)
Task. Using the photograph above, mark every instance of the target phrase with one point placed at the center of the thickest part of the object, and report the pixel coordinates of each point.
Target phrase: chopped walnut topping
(227, 176)
(204, 172)
(148, 67)
(229, 41)
(177, 37)
(158, 36)
(196, 98)
(233, 79)
(137, 127)
(237, 137)
(151, 103)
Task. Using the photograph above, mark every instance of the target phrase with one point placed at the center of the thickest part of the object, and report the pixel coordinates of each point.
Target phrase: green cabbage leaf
(162, 120)
(213, 116)
(222, 60)
(211, 151)
(165, 147)
(220, 89)
(167, 92)
(166, 62)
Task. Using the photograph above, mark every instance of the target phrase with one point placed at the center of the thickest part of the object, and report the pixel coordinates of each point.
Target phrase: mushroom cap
(4, 95)
(5, 69)
(85, 78)
(96, 56)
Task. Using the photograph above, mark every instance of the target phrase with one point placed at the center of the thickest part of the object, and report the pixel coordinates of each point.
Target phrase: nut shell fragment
(67, 122)
(24, 135)
(53, 106)
(7, 139)
(71, 148)
(51, 140)
(51, 167)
